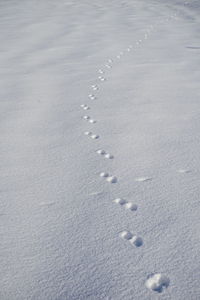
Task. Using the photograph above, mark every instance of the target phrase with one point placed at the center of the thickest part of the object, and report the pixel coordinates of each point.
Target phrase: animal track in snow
(105, 154)
(90, 134)
(128, 205)
(94, 87)
(109, 178)
(102, 78)
(100, 151)
(92, 97)
(120, 201)
(92, 121)
(103, 174)
(85, 107)
(108, 66)
(143, 179)
(131, 206)
(126, 235)
(101, 71)
(112, 179)
(133, 239)
(87, 118)
(137, 241)
(157, 282)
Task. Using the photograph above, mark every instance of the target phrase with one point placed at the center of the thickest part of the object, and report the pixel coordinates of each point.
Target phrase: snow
(134, 67)
(157, 282)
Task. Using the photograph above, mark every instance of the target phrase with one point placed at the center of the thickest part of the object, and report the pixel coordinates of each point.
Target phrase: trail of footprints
(155, 282)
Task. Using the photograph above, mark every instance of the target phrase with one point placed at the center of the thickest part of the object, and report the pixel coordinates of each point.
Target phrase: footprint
(93, 136)
(136, 241)
(109, 156)
(143, 179)
(102, 78)
(94, 87)
(131, 206)
(110, 61)
(104, 174)
(86, 117)
(128, 205)
(111, 179)
(88, 133)
(92, 97)
(157, 282)
(133, 239)
(126, 235)
(101, 152)
(85, 107)
(120, 201)
(108, 66)
(106, 155)
(92, 121)
(101, 71)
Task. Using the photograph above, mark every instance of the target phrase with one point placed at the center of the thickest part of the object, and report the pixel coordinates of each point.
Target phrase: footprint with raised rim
(157, 282)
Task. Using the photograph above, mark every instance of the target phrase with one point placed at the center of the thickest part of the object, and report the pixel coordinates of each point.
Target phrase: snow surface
(134, 67)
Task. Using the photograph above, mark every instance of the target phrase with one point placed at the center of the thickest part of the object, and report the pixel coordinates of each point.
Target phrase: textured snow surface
(99, 136)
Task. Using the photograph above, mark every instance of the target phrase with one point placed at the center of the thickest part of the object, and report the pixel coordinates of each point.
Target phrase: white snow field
(100, 149)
